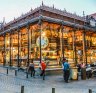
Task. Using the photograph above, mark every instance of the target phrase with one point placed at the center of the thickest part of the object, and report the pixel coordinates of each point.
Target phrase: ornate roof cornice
(48, 19)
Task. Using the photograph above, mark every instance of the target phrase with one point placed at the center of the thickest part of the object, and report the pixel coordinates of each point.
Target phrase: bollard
(7, 70)
(53, 90)
(15, 72)
(22, 89)
(90, 90)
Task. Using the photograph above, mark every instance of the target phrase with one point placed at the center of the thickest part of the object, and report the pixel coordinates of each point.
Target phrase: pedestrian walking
(43, 67)
(31, 69)
(66, 70)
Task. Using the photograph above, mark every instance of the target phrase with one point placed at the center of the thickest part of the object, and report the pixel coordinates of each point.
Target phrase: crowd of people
(84, 69)
(42, 67)
(65, 66)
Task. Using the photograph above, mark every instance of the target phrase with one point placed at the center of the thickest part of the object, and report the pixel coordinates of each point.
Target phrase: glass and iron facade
(47, 38)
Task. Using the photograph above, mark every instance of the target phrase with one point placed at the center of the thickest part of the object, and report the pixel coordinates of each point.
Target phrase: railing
(8, 70)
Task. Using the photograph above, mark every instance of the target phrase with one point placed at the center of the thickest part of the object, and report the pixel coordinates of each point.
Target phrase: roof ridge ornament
(65, 10)
(31, 10)
(22, 14)
(14, 18)
(84, 15)
(53, 6)
(75, 13)
(42, 3)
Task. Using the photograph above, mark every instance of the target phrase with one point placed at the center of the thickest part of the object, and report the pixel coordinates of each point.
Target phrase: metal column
(28, 43)
(40, 24)
(4, 56)
(84, 49)
(18, 48)
(74, 48)
(62, 28)
(10, 63)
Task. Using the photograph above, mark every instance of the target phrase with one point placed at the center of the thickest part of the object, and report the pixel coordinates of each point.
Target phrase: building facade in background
(94, 15)
(48, 33)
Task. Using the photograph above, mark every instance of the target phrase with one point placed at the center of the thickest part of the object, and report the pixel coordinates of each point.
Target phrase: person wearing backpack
(66, 70)
(43, 67)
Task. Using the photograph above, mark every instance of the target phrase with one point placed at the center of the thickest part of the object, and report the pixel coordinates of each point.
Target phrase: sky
(15, 8)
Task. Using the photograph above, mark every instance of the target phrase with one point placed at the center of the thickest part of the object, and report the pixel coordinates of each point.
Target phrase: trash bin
(83, 73)
(74, 73)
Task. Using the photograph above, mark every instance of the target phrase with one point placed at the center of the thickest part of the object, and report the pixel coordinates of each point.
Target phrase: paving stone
(12, 84)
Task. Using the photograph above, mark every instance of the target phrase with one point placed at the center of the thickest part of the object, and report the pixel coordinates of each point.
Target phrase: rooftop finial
(64, 9)
(22, 14)
(14, 18)
(74, 13)
(42, 3)
(3, 20)
(53, 6)
(31, 9)
(83, 14)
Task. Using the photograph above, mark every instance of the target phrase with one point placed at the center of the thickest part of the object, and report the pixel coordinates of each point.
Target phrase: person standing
(83, 65)
(79, 67)
(43, 67)
(32, 69)
(66, 70)
(83, 71)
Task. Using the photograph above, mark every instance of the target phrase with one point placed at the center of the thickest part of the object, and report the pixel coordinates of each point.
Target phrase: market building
(48, 33)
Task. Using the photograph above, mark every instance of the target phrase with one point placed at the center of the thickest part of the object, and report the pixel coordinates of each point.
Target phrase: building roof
(49, 9)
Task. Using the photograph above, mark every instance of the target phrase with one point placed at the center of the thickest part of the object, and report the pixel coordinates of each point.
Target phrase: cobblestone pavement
(12, 84)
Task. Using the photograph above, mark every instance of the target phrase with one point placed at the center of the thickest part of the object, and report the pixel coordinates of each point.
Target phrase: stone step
(54, 71)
